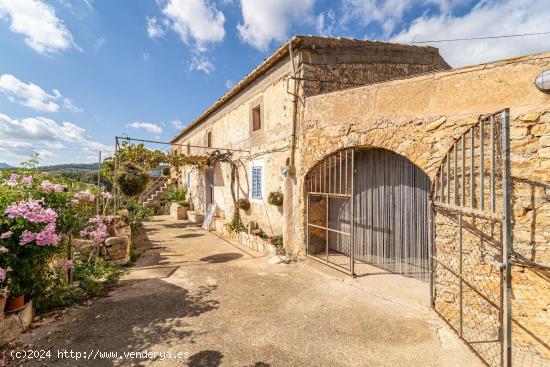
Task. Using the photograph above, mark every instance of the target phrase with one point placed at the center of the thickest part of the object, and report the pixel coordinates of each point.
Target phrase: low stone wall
(16, 323)
(243, 239)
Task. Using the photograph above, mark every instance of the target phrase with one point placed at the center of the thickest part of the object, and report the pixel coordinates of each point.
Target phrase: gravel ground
(209, 303)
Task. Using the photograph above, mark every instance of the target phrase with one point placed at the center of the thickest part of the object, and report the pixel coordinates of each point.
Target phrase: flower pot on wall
(15, 304)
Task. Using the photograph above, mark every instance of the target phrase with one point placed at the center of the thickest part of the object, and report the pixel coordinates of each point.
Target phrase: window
(257, 183)
(209, 139)
(188, 148)
(256, 118)
(257, 180)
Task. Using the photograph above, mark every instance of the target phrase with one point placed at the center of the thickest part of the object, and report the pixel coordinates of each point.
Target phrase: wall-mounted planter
(275, 198)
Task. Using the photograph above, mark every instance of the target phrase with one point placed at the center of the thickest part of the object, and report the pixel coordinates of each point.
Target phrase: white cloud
(146, 56)
(99, 43)
(197, 20)
(68, 104)
(201, 63)
(28, 133)
(229, 83)
(33, 96)
(36, 20)
(176, 124)
(487, 18)
(325, 23)
(267, 21)
(388, 13)
(154, 28)
(147, 126)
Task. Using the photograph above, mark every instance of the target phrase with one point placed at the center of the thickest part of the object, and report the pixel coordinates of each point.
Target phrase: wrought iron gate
(369, 207)
(470, 282)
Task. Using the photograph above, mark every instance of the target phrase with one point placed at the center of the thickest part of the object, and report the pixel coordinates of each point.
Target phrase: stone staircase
(152, 196)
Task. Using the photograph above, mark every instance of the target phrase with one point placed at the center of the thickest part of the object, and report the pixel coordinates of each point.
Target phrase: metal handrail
(152, 187)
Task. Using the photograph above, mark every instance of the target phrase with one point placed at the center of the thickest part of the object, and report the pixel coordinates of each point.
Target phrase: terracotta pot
(2, 306)
(15, 303)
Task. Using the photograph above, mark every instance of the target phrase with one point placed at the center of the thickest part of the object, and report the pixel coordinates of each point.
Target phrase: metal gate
(470, 282)
(369, 207)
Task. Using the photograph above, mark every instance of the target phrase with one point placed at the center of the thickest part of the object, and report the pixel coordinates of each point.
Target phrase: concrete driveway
(209, 303)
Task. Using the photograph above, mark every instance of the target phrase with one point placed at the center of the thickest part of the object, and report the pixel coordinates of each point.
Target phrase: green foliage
(166, 171)
(134, 213)
(97, 276)
(243, 204)
(131, 180)
(278, 241)
(175, 194)
(92, 279)
(236, 225)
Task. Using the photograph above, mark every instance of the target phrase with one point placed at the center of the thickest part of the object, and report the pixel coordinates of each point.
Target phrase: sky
(76, 73)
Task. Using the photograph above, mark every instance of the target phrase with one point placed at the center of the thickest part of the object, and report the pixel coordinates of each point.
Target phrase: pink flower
(106, 195)
(83, 233)
(3, 250)
(14, 177)
(3, 273)
(48, 236)
(59, 187)
(31, 210)
(84, 196)
(26, 237)
(27, 181)
(5, 235)
(46, 186)
(69, 264)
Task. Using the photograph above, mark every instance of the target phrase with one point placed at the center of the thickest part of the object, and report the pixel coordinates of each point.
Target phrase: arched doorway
(369, 207)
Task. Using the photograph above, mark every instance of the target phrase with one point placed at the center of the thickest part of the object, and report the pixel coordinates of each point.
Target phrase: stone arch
(368, 206)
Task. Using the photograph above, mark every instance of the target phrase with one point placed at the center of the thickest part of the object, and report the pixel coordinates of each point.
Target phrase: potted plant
(275, 198)
(243, 204)
(176, 198)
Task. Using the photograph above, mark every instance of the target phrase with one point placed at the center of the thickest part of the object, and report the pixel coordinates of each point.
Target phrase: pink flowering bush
(37, 218)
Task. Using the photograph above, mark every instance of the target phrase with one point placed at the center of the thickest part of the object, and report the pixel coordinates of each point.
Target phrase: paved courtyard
(195, 294)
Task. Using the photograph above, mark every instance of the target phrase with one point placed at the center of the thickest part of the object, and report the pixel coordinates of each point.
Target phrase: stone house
(258, 119)
(360, 138)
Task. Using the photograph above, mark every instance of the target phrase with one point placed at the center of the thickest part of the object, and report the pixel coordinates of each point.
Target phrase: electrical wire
(483, 38)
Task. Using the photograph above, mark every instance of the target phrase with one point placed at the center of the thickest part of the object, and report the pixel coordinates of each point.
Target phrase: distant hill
(5, 166)
(70, 167)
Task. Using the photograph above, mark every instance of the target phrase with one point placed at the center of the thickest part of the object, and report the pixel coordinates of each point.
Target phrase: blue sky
(73, 74)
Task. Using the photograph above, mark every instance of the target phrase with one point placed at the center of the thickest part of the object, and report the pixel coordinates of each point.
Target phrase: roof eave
(277, 55)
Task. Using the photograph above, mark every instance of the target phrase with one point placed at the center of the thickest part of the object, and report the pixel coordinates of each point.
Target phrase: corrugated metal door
(391, 204)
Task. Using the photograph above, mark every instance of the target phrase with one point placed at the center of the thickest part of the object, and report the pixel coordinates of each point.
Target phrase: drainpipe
(295, 108)
(288, 184)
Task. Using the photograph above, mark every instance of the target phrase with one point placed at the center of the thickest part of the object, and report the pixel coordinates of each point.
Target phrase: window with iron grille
(256, 182)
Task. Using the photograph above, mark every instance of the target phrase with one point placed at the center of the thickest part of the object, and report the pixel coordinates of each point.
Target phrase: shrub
(166, 171)
(132, 180)
(176, 194)
(243, 204)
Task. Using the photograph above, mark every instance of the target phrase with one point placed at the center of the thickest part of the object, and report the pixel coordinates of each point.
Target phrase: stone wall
(333, 65)
(420, 118)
